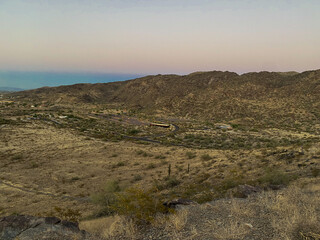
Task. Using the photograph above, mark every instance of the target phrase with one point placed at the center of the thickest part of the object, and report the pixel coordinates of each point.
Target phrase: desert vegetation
(105, 164)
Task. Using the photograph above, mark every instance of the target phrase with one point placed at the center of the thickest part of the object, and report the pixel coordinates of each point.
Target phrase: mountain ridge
(206, 95)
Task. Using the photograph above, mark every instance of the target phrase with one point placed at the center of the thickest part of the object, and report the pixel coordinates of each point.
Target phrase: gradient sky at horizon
(159, 36)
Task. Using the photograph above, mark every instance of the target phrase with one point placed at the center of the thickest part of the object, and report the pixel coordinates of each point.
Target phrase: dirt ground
(44, 166)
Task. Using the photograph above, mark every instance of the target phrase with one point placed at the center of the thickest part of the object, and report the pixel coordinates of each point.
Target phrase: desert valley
(209, 155)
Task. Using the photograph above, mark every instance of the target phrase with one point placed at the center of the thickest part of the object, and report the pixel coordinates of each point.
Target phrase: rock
(248, 225)
(32, 228)
(52, 220)
(287, 155)
(275, 187)
(243, 191)
(174, 203)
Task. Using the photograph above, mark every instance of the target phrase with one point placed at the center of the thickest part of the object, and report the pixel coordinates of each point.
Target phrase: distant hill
(10, 89)
(264, 97)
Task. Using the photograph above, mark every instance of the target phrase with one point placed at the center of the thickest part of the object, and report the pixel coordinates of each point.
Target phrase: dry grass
(122, 227)
(290, 214)
(172, 222)
(294, 211)
(178, 221)
(97, 226)
(69, 164)
(110, 227)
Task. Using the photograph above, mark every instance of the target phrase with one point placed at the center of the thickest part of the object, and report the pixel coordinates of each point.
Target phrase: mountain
(264, 97)
(10, 89)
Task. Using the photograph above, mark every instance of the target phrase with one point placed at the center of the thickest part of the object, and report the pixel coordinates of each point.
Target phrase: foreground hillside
(292, 214)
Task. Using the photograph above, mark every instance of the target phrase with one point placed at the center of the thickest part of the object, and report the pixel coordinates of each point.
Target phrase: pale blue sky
(159, 36)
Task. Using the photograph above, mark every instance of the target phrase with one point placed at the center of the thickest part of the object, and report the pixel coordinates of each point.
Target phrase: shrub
(119, 164)
(106, 197)
(190, 155)
(138, 205)
(133, 132)
(205, 157)
(151, 166)
(65, 214)
(17, 157)
(163, 162)
(160, 157)
(168, 182)
(34, 165)
(137, 177)
(143, 153)
(172, 182)
(276, 177)
(315, 172)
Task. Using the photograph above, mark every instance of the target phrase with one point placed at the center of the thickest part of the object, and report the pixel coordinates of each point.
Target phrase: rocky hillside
(266, 97)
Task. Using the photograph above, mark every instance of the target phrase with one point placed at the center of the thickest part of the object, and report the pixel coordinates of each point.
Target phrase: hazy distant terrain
(30, 80)
(10, 89)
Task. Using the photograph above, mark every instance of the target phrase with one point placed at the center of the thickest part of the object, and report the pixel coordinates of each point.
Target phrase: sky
(159, 36)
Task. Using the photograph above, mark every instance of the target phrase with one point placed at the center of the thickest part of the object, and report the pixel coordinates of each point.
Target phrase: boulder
(243, 191)
(32, 228)
(179, 201)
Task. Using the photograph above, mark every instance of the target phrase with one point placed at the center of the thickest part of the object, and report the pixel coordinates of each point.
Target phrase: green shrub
(205, 157)
(143, 153)
(34, 165)
(17, 157)
(190, 155)
(229, 183)
(172, 182)
(133, 132)
(276, 177)
(106, 197)
(138, 205)
(315, 172)
(65, 214)
(137, 177)
(151, 166)
(166, 183)
(119, 164)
